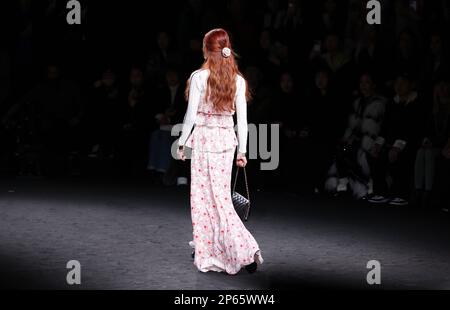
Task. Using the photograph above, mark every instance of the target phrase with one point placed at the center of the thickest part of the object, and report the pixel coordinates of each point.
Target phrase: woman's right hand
(241, 160)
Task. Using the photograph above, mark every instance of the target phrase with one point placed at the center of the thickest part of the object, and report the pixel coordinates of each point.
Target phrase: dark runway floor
(130, 235)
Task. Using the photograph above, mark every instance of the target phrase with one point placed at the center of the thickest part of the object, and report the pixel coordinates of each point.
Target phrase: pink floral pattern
(213, 131)
(212, 139)
(206, 107)
(214, 120)
(220, 239)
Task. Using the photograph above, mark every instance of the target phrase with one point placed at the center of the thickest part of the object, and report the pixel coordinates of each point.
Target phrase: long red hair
(223, 71)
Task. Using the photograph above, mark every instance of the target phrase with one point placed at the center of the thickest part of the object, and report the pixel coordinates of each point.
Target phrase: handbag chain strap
(246, 183)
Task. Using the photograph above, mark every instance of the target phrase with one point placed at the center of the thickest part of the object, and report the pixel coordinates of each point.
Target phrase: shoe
(251, 268)
(182, 181)
(377, 199)
(398, 202)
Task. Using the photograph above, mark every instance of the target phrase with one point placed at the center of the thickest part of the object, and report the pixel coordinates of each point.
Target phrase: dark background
(275, 45)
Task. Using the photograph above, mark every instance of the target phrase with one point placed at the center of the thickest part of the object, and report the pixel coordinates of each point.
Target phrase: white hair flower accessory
(226, 52)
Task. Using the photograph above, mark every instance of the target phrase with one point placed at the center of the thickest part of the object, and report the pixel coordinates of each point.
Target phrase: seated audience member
(171, 106)
(434, 153)
(48, 125)
(323, 121)
(402, 129)
(361, 140)
(286, 113)
(135, 124)
(332, 54)
(436, 62)
(104, 109)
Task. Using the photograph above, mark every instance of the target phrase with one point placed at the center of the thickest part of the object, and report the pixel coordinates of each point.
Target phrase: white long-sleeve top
(197, 90)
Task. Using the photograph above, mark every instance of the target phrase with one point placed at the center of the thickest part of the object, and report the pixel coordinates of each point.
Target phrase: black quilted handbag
(241, 203)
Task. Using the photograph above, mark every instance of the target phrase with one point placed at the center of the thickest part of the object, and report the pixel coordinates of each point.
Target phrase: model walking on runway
(215, 92)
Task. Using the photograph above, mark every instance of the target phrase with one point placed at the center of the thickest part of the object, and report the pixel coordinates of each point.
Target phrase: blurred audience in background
(316, 68)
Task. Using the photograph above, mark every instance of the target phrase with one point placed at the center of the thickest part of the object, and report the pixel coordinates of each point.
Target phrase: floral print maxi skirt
(221, 241)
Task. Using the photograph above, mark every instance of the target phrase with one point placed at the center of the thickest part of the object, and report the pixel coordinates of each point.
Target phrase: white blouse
(197, 89)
